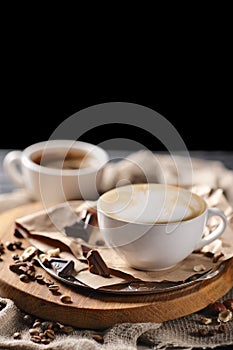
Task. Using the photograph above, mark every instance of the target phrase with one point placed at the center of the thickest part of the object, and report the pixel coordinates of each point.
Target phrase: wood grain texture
(94, 310)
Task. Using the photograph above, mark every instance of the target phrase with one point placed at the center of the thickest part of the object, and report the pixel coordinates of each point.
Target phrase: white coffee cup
(57, 170)
(155, 226)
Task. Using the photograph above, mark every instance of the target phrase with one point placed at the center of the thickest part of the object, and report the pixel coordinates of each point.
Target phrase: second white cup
(57, 170)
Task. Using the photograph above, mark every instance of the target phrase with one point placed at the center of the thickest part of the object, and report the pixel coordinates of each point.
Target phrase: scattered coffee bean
(20, 266)
(222, 328)
(17, 335)
(48, 282)
(15, 257)
(24, 278)
(229, 304)
(65, 299)
(37, 323)
(203, 331)
(53, 287)
(49, 333)
(35, 339)
(18, 244)
(47, 325)
(39, 279)
(99, 338)
(28, 319)
(44, 332)
(216, 307)
(10, 246)
(34, 331)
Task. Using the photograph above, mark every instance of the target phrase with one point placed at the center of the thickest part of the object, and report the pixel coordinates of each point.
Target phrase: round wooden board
(94, 310)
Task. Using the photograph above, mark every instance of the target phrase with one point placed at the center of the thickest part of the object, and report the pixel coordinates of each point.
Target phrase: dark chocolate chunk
(62, 267)
(96, 264)
(85, 250)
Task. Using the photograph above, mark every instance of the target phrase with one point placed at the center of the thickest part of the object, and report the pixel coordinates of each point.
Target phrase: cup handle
(12, 166)
(217, 232)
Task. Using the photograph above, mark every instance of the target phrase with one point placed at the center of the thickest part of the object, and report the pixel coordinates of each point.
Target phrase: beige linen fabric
(182, 332)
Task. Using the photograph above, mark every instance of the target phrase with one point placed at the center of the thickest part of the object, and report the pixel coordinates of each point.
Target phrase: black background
(185, 75)
(198, 107)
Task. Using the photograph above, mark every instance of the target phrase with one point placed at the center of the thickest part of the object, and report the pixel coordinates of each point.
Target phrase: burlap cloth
(182, 332)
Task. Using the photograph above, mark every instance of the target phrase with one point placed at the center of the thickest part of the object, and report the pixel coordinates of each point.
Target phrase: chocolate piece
(61, 266)
(85, 250)
(96, 264)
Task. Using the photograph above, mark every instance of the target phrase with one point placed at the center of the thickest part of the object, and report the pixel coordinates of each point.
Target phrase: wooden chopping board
(95, 310)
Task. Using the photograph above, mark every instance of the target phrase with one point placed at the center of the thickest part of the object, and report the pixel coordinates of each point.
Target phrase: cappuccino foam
(151, 203)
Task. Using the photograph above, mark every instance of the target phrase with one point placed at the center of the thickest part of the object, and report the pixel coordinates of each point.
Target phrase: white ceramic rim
(183, 221)
(100, 154)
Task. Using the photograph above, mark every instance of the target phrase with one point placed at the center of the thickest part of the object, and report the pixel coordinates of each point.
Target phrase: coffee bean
(10, 246)
(49, 333)
(24, 278)
(34, 331)
(39, 279)
(65, 299)
(36, 324)
(222, 328)
(203, 331)
(17, 335)
(53, 287)
(97, 337)
(18, 244)
(35, 339)
(28, 319)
